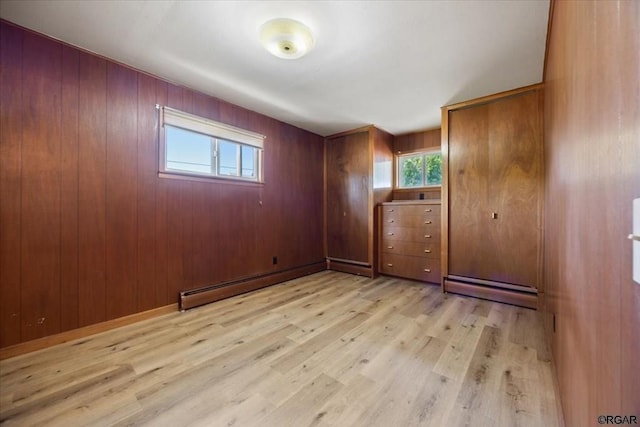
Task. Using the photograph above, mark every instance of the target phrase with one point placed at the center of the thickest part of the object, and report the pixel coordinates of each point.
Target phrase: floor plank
(329, 349)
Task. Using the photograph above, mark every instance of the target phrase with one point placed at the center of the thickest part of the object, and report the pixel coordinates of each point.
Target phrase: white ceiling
(388, 63)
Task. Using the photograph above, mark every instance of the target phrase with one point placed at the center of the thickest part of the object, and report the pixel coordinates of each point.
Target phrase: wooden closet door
(348, 182)
(515, 184)
(470, 250)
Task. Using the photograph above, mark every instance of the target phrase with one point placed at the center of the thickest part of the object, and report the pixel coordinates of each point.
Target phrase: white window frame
(218, 132)
(421, 152)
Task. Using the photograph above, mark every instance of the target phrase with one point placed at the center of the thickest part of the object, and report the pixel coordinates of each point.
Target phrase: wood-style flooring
(330, 349)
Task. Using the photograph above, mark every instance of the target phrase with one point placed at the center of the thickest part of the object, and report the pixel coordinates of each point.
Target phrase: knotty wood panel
(11, 124)
(89, 232)
(592, 129)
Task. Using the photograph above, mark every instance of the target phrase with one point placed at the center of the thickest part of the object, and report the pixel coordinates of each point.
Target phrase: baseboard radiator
(494, 291)
(197, 297)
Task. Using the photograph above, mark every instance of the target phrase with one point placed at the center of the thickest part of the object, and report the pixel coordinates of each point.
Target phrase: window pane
(248, 161)
(411, 171)
(228, 152)
(187, 151)
(434, 169)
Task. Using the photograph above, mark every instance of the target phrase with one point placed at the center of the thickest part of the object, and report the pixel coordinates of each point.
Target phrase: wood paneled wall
(412, 142)
(592, 150)
(89, 233)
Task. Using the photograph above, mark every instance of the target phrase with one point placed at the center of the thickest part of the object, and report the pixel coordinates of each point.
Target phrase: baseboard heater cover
(355, 267)
(497, 293)
(207, 294)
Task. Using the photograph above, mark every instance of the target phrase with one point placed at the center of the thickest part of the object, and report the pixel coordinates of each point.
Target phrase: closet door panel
(470, 253)
(348, 174)
(515, 182)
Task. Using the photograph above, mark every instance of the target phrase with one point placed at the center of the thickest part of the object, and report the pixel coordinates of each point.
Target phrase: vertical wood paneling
(92, 104)
(592, 129)
(106, 236)
(147, 153)
(206, 251)
(121, 191)
(162, 237)
(178, 214)
(40, 260)
(69, 191)
(11, 125)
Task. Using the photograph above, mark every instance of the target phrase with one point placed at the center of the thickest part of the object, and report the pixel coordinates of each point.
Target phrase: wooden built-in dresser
(410, 239)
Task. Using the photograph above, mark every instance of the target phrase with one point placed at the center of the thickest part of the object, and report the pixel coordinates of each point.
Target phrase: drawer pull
(390, 220)
(389, 265)
(389, 247)
(427, 270)
(427, 236)
(427, 251)
(389, 234)
(427, 222)
(389, 210)
(427, 210)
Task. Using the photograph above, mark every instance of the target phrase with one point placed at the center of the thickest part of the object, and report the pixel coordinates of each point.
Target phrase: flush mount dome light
(286, 38)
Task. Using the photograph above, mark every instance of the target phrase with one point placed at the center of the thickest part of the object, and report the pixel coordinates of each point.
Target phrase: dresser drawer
(412, 210)
(427, 249)
(410, 221)
(411, 234)
(411, 267)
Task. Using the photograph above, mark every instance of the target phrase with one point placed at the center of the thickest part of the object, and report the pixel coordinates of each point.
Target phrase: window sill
(429, 188)
(211, 180)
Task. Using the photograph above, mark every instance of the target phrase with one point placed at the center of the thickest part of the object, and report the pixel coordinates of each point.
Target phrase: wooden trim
(210, 180)
(350, 132)
(41, 343)
(552, 4)
(346, 267)
(541, 197)
(444, 195)
(493, 294)
(412, 202)
(426, 150)
(197, 297)
(370, 194)
(489, 98)
(325, 230)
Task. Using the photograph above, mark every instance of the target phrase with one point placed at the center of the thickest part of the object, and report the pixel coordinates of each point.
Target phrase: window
(423, 169)
(199, 147)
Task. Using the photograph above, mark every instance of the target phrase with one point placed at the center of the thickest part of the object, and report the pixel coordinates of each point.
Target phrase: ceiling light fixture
(286, 38)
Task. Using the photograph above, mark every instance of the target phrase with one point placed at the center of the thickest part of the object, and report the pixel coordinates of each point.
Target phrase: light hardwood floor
(330, 349)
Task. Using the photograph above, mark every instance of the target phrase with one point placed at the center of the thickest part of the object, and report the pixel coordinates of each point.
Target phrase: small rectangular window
(195, 146)
(421, 169)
